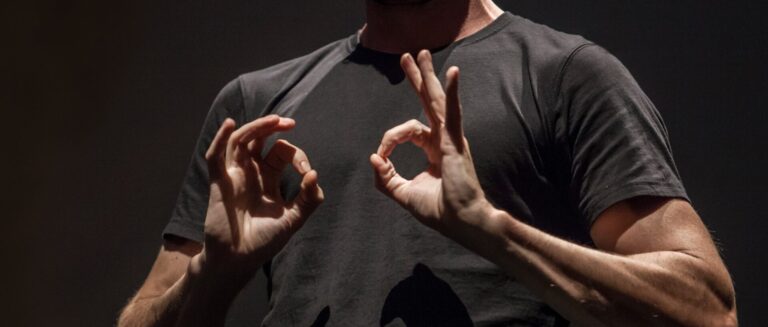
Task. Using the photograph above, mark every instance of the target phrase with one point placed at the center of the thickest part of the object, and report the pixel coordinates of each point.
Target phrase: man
(567, 208)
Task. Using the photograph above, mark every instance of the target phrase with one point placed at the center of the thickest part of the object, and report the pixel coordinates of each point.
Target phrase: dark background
(102, 102)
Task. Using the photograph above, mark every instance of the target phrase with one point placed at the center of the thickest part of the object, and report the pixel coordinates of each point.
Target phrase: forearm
(160, 310)
(592, 287)
(200, 297)
(210, 293)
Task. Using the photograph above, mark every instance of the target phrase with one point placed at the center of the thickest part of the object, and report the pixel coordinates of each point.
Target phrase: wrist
(223, 281)
(480, 227)
(209, 294)
(476, 217)
(477, 213)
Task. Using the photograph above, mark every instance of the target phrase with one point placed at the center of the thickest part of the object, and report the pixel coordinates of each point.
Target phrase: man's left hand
(448, 191)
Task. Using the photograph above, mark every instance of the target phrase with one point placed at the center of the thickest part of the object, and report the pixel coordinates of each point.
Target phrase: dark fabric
(559, 131)
(189, 213)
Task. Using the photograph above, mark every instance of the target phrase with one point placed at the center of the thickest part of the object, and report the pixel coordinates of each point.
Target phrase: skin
(655, 264)
(247, 223)
(677, 278)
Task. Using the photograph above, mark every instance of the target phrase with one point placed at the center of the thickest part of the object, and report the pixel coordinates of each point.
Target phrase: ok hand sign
(448, 191)
(248, 221)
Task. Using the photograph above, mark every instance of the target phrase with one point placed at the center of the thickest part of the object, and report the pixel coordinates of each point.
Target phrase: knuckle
(300, 154)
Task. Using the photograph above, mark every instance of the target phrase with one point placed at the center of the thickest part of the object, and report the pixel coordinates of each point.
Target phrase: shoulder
(544, 47)
(246, 96)
(592, 67)
(258, 87)
(283, 70)
(543, 52)
(567, 56)
(544, 39)
(559, 61)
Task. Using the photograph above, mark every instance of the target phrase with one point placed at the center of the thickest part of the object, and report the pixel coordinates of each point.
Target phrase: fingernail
(304, 166)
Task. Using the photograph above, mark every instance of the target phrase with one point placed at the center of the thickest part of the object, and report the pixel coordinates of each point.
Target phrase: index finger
(255, 130)
(414, 75)
(214, 156)
(412, 72)
(433, 91)
(453, 108)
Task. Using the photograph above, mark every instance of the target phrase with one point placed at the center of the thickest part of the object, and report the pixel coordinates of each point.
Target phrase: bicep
(171, 263)
(667, 233)
(651, 224)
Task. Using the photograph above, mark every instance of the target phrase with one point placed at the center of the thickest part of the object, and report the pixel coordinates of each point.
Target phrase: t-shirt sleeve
(188, 217)
(617, 142)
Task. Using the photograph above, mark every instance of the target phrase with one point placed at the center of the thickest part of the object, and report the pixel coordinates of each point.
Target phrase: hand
(448, 190)
(248, 221)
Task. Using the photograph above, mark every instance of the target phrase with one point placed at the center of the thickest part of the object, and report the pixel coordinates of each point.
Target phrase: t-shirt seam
(566, 63)
(559, 80)
(553, 102)
(240, 90)
(240, 104)
(488, 34)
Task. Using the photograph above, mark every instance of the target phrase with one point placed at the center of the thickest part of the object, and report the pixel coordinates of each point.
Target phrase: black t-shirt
(559, 131)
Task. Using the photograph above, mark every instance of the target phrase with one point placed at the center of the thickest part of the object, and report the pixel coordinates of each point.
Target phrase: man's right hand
(248, 221)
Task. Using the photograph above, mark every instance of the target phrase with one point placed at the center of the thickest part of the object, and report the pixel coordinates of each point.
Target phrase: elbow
(720, 313)
(728, 317)
(724, 314)
(724, 319)
(717, 304)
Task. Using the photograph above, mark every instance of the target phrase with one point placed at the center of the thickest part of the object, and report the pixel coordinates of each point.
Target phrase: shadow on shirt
(322, 317)
(423, 299)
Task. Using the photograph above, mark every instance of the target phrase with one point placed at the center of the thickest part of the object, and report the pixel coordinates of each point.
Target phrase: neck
(428, 24)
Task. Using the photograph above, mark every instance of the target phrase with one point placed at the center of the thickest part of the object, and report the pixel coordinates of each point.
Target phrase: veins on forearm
(673, 288)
